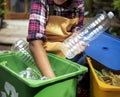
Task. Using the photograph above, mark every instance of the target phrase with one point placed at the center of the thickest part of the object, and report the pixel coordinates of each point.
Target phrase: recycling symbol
(9, 91)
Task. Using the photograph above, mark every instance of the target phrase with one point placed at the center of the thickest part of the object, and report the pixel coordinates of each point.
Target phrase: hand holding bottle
(76, 43)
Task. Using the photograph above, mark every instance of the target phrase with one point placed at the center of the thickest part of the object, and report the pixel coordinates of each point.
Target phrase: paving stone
(14, 30)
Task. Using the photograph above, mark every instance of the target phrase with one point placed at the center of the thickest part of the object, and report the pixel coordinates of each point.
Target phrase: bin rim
(103, 86)
(37, 83)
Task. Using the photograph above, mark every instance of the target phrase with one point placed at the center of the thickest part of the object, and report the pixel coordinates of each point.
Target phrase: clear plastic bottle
(21, 49)
(89, 32)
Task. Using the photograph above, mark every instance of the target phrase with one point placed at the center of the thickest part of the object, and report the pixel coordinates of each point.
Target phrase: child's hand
(82, 46)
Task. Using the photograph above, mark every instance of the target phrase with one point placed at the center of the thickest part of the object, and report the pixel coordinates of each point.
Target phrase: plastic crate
(13, 85)
(97, 87)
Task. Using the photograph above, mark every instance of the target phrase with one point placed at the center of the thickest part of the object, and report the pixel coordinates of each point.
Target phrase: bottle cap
(110, 15)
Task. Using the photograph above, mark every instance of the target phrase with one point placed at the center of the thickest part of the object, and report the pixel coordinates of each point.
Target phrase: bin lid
(105, 50)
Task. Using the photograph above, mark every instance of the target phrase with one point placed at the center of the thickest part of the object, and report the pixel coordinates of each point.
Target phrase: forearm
(41, 58)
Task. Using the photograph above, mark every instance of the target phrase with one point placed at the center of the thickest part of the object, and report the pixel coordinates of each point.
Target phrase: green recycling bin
(63, 85)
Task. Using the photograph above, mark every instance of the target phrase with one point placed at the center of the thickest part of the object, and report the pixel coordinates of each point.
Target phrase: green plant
(116, 4)
(2, 11)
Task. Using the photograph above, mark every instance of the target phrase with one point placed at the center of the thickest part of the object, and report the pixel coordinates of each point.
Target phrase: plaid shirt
(39, 15)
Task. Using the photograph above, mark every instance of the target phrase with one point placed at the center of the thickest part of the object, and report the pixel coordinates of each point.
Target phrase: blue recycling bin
(105, 50)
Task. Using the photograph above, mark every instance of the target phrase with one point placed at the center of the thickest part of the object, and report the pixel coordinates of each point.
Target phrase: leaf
(116, 4)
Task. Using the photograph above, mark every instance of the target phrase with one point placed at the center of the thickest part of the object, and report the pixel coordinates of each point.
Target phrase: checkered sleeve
(37, 21)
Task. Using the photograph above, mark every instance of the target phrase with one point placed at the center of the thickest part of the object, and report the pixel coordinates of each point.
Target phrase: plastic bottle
(89, 32)
(21, 49)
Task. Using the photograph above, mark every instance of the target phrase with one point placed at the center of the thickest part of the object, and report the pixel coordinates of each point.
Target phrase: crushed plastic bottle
(30, 74)
(89, 32)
